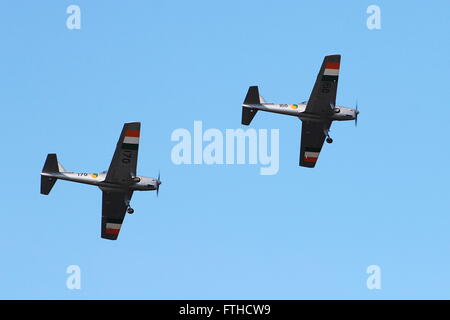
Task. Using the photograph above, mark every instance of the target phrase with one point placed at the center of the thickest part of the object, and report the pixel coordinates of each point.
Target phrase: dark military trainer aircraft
(117, 184)
(316, 114)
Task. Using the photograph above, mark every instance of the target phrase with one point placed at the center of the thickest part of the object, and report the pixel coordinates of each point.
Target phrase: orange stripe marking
(332, 65)
(132, 133)
(310, 159)
(112, 231)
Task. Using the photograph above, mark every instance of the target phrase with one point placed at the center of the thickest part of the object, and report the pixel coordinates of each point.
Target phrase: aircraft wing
(123, 164)
(323, 95)
(313, 136)
(113, 212)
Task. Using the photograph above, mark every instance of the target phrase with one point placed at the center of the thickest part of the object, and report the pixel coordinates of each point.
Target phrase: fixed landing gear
(130, 210)
(327, 134)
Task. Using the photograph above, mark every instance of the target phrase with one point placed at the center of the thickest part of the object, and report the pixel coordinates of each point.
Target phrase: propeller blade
(158, 182)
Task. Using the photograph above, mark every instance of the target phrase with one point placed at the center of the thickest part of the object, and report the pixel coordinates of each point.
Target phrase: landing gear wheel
(130, 210)
(329, 140)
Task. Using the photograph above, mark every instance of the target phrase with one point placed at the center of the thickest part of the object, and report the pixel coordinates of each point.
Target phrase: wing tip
(133, 125)
(307, 164)
(108, 237)
(336, 58)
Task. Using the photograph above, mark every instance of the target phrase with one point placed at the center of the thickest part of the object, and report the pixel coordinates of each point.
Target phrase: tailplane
(51, 167)
(252, 97)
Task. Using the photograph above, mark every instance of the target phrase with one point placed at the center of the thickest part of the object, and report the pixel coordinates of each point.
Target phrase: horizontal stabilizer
(51, 166)
(47, 184)
(252, 96)
(247, 115)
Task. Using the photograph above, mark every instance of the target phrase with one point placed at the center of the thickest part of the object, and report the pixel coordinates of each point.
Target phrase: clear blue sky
(379, 194)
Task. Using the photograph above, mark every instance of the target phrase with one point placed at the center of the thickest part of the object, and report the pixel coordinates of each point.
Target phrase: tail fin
(252, 97)
(51, 166)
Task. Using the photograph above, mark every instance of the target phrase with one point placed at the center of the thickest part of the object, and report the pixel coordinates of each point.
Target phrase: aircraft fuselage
(138, 183)
(298, 110)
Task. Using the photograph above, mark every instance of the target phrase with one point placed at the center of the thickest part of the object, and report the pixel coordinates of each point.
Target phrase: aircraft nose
(357, 111)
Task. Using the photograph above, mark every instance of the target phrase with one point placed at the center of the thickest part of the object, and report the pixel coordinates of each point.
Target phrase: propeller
(158, 182)
(356, 114)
